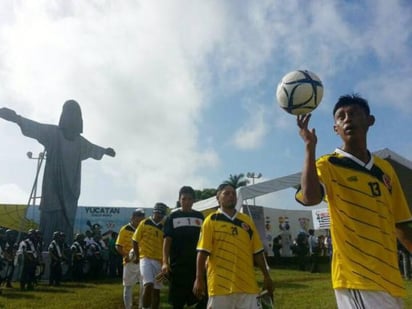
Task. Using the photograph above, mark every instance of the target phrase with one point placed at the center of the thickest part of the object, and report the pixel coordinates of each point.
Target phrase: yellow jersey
(124, 239)
(365, 202)
(231, 244)
(149, 236)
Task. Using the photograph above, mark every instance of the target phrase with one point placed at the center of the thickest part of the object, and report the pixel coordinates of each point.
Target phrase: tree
(237, 180)
(204, 194)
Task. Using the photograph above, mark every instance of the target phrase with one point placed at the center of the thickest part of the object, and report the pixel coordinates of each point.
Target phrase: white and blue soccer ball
(132, 256)
(299, 92)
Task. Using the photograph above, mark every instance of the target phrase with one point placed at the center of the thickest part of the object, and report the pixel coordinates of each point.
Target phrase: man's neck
(360, 153)
(229, 211)
(133, 224)
(186, 209)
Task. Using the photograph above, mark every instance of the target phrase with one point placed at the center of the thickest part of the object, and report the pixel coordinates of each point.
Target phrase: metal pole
(33, 193)
(253, 176)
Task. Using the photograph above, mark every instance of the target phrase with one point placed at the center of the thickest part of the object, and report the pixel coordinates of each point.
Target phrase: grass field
(294, 289)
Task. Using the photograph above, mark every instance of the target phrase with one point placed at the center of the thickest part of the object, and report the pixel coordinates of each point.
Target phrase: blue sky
(184, 91)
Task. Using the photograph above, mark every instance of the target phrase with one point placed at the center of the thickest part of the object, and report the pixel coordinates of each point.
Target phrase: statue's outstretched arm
(8, 114)
(110, 152)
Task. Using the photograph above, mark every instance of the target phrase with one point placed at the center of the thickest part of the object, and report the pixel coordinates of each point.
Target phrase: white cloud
(146, 73)
(251, 134)
(12, 194)
(385, 90)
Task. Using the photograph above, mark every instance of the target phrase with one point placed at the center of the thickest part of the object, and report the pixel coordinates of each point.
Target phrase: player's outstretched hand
(308, 136)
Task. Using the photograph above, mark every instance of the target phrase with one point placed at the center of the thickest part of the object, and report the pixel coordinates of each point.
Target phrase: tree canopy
(237, 180)
(204, 194)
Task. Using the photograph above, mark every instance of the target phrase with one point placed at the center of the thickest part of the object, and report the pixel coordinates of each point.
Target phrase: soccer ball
(132, 255)
(299, 92)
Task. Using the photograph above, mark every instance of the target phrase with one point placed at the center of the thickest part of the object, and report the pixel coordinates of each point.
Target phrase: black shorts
(180, 288)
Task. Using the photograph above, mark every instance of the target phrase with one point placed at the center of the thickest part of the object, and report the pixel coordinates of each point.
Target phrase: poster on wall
(279, 225)
(257, 214)
(321, 219)
(106, 218)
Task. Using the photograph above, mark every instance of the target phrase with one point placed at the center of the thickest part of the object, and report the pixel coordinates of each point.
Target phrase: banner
(23, 217)
(13, 216)
(321, 219)
(107, 218)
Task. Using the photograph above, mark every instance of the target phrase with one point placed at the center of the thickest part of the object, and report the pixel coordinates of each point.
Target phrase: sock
(128, 296)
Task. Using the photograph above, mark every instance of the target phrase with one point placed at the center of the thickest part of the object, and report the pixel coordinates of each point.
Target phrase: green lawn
(294, 289)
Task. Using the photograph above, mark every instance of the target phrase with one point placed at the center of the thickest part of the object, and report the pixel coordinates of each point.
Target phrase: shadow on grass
(18, 295)
(79, 285)
(55, 289)
(289, 285)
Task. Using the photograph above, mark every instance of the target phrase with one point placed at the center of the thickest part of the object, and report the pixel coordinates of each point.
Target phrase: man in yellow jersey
(367, 207)
(124, 245)
(230, 244)
(148, 246)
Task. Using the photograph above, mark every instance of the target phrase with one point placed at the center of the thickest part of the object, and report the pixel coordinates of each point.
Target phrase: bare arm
(310, 185)
(167, 243)
(136, 250)
(123, 253)
(261, 263)
(404, 234)
(199, 287)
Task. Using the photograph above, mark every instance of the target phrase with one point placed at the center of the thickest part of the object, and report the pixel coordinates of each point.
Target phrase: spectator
(55, 259)
(115, 259)
(94, 257)
(313, 251)
(10, 249)
(27, 257)
(276, 246)
(78, 257)
(301, 250)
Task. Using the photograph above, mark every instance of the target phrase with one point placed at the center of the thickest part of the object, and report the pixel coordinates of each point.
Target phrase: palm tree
(204, 194)
(237, 181)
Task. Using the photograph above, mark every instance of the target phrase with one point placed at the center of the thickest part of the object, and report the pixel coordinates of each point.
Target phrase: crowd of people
(23, 258)
(306, 247)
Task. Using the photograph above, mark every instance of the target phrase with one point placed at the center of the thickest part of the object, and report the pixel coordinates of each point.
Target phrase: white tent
(402, 166)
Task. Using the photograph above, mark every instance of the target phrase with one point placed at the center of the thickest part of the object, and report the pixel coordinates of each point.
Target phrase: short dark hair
(222, 186)
(352, 99)
(311, 231)
(187, 190)
(160, 208)
(138, 212)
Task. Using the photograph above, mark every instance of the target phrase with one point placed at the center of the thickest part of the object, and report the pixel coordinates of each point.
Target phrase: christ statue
(65, 150)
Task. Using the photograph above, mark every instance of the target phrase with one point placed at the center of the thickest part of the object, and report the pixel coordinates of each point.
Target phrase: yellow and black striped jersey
(365, 202)
(149, 236)
(124, 239)
(231, 244)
